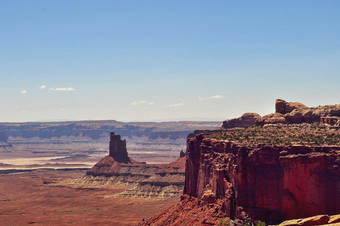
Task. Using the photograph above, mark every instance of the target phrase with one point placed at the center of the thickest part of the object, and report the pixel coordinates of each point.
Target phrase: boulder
(284, 107)
(246, 120)
(296, 113)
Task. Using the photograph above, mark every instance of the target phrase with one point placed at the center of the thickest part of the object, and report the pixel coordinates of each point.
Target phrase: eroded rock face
(118, 149)
(269, 183)
(284, 107)
(246, 120)
(160, 181)
(294, 112)
(285, 166)
(332, 121)
(264, 182)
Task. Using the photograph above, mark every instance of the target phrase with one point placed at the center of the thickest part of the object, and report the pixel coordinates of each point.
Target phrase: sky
(165, 60)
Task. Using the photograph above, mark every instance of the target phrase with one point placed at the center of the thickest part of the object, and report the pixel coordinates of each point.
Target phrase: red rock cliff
(267, 182)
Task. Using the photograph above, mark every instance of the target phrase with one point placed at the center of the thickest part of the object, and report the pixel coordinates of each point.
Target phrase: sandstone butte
(159, 181)
(273, 168)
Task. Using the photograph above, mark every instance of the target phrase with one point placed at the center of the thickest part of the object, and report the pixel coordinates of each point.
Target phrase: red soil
(26, 199)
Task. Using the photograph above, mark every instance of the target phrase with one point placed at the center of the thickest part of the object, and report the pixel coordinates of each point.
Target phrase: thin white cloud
(141, 102)
(62, 89)
(23, 91)
(24, 111)
(43, 87)
(211, 97)
(173, 105)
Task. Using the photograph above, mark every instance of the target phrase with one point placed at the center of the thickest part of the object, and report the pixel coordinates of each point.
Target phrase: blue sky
(165, 60)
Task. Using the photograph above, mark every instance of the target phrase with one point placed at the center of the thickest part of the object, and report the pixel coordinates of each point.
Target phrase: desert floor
(31, 198)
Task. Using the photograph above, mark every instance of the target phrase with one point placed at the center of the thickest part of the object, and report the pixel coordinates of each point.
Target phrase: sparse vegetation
(261, 223)
(303, 134)
(225, 222)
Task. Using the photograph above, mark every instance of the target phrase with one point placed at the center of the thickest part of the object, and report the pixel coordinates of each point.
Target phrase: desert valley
(252, 169)
(49, 161)
(169, 113)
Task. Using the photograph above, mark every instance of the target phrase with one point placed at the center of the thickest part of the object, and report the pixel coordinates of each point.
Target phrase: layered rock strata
(3, 141)
(141, 180)
(283, 167)
(269, 183)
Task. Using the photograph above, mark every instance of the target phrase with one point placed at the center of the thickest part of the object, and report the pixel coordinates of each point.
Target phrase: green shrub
(224, 221)
(261, 223)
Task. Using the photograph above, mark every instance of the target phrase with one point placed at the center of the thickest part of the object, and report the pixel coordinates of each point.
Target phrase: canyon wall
(266, 182)
(280, 166)
(96, 130)
(227, 180)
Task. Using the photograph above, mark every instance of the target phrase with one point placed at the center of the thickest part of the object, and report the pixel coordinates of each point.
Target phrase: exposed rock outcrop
(160, 181)
(284, 107)
(118, 149)
(246, 120)
(294, 112)
(315, 220)
(270, 173)
(269, 183)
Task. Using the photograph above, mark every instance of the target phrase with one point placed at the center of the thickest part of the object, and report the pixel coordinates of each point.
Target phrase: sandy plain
(33, 198)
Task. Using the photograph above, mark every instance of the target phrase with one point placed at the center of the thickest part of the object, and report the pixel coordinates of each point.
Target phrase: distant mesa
(99, 130)
(4, 146)
(3, 137)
